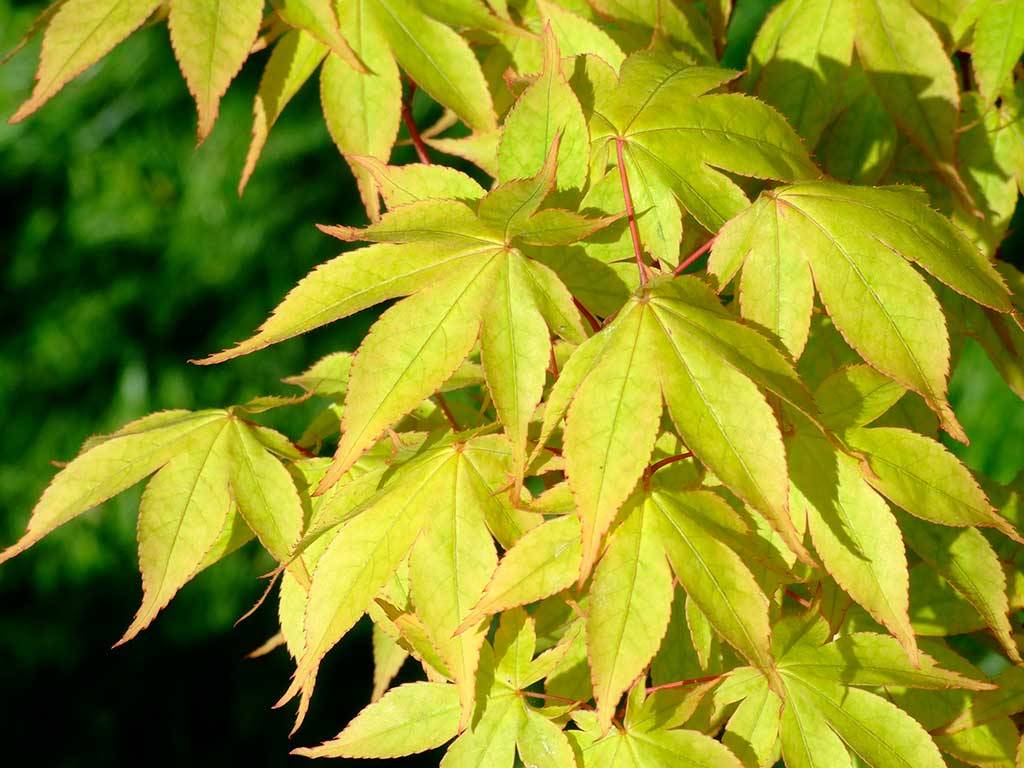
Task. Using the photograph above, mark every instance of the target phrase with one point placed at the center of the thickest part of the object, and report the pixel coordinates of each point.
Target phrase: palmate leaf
(472, 281)
(711, 372)
(661, 103)
(216, 482)
(997, 47)
(855, 243)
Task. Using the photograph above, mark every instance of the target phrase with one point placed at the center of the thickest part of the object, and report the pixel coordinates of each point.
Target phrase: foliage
(620, 509)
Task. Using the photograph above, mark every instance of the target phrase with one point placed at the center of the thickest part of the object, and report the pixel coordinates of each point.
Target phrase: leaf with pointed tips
(853, 530)
(795, 58)
(876, 730)
(852, 239)
(714, 576)
(924, 478)
(912, 75)
(317, 17)
(112, 465)
(964, 557)
(184, 509)
(80, 33)
(545, 561)
(548, 108)
(437, 59)
(998, 46)
(212, 40)
(293, 60)
(411, 718)
(363, 554)
(630, 602)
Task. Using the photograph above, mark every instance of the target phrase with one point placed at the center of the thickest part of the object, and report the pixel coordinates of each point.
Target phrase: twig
(693, 257)
(592, 321)
(665, 462)
(412, 128)
(443, 405)
(634, 231)
(682, 683)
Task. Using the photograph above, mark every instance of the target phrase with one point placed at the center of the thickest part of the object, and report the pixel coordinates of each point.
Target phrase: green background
(125, 251)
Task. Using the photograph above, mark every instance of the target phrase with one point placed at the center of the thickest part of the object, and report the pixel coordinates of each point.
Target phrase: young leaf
(80, 33)
(183, 511)
(714, 576)
(212, 40)
(411, 718)
(912, 75)
(630, 602)
(291, 63)
(545, 561)
(113, 465)
(921, 476)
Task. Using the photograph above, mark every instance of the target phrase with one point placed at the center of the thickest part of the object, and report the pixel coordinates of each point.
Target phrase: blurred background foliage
(124, 251)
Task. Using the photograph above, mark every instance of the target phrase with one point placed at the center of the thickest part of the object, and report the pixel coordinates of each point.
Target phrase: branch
(634, 231)
(693, 257)
(411, 127)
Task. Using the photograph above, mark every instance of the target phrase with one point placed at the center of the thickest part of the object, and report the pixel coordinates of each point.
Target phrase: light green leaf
(967, 561)
(879, 732)
(212, 40)
(728, 131)
(293, 60)
(114, 464)
(80, 33)
(317, 17)
(450, 565)
(630, 603)
(714, 576)
(753, 730)
(924, 478)
(362, 556)
(577, 36)
(542, 744)
(912, 75)
(388, 658)
(438, 59)
(184, 509)
(871, 660)
(610, 430)
(362, 109)
(807, 739)
(548, 108)
(266, 496)
(853, 239)
(855, 395)
(545, 561)
(853, 530)
(403, 184)
(411, 718)
(408, 353)
(515, 349)
(795, 60)
(998, 45)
